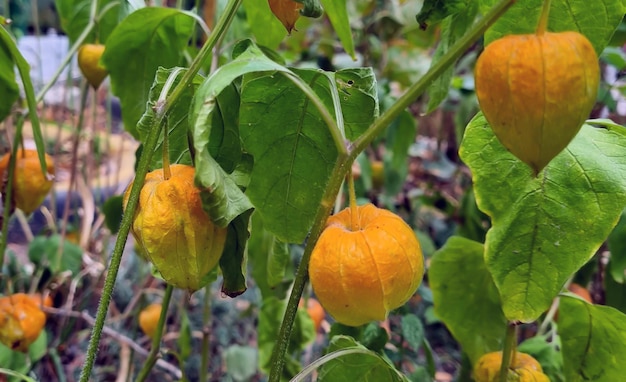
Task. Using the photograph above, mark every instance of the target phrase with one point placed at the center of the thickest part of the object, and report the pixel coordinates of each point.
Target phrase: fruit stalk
(543, 18)
(142, 170)
(508, 353)
(156, 340)
(354, 211)
(343, 164)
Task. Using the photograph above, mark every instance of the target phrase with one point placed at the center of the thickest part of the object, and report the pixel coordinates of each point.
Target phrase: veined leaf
(545, 228)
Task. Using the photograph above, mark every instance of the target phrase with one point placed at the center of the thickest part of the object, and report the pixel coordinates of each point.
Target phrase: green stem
(543, 19)
(156, 340)
(142, 169)
(206, 334)
(343, 164)
(508, 353)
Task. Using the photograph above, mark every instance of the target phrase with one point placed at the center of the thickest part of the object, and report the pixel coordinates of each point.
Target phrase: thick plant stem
(343, 164)
(508, 353)
(543, 19)
(142, 169)
(156, 340)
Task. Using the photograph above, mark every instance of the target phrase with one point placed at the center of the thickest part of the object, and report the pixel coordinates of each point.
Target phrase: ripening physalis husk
(172, 229)
(287, 11)
(21, 320)
(30, 184)
(523, 368)
(89, 64)
(362, 271)
(536, 91)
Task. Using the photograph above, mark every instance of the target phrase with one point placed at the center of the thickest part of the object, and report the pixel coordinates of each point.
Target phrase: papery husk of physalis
(536, 91)
(21, 320)
(173, 231)
(287, 11)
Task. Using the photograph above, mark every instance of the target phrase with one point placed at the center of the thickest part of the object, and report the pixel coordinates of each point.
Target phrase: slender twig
(343, 164)
(156, 340)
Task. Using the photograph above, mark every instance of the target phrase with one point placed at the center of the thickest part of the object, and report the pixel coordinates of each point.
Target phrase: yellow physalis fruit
(21, 320)
(149, 319)
(287, 11)
(364, 266)
(89, 63)
(524, 368)
(30, 184)
(536, 91)
(173, 231)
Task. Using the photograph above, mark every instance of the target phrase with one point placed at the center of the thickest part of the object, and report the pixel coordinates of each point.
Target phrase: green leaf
(241, 362)
(452, 28)
(593, 341)
(47, 252)
(226, 201)
(338, 15)
(233, 262)
(374, 337)
(74, 15)
(434, 11)
(412, 331)
(153, 37)
(177, 119)
(267, 30)
(617, 246)
(544, 228)
(348, 361)
(465, 297)
(8, 86)
(284, 132)
(597, 20)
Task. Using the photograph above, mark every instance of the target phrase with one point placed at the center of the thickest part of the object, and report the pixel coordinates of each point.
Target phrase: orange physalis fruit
(149, 319)
(30, 184)
(21, 320)
(523, 368)
(362, 268)
(89, 64)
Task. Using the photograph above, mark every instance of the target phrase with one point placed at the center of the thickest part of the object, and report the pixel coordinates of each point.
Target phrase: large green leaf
(267, 30)
(597, 19)
(74, 15)
(292, 146)
(338, 15)
(593, 341)
(465, 297)
(545, 228)
(143, 41)
(350, 361)
(176, 122)
(8, 85)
